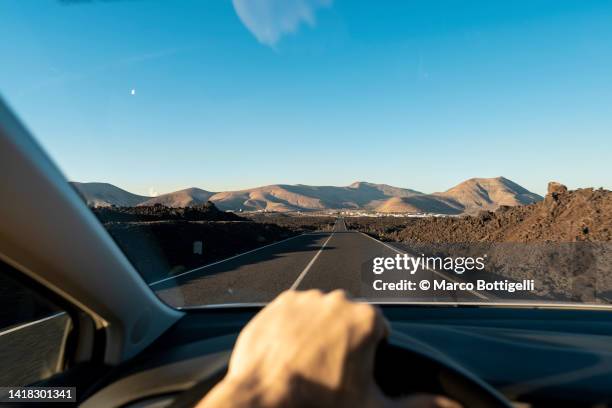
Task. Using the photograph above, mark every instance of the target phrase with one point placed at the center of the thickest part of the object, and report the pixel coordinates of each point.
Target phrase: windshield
(414, 151)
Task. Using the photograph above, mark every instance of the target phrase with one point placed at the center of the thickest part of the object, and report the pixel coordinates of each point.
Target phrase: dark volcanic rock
(158, 212)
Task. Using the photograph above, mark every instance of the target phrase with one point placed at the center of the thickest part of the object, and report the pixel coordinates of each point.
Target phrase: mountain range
(467, 197)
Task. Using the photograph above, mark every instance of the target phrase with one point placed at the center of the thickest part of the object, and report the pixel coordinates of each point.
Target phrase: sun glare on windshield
(409, 152)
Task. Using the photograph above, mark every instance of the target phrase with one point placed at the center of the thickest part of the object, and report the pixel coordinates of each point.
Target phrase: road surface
(326, 261)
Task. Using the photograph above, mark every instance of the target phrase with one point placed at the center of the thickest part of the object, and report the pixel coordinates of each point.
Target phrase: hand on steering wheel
(310, 349)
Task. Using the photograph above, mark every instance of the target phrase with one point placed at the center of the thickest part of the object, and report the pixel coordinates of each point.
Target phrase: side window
(33, 333)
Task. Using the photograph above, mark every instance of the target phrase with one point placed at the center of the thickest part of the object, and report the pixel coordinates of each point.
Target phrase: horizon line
(312, 185)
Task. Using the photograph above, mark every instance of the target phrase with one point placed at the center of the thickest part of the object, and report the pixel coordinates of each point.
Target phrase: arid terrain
(563, 241)
(310, 223)
(467, 197)
(158, 212)
(563, 216)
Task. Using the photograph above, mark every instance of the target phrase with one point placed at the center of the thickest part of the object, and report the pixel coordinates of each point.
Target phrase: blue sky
(155, 96)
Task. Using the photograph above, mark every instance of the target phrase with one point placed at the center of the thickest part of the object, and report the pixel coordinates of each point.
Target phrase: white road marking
(480, 295)
(307, 268)
(312, 261)
(223, 260)
(32, 323)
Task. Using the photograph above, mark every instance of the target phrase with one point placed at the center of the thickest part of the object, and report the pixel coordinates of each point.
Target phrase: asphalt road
(326, 261)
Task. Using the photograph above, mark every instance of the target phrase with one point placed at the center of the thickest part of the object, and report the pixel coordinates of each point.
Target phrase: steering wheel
(401, 368)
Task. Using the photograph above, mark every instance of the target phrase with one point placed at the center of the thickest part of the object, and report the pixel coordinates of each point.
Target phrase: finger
(380, 327)
(371, 329)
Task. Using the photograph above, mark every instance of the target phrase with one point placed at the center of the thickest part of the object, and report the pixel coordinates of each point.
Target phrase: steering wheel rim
(454, 381)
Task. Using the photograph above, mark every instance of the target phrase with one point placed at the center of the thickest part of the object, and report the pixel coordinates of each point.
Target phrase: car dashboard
(535, 357)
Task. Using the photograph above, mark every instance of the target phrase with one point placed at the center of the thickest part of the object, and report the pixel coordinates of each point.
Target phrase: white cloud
(269, 20)
(152, 192)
